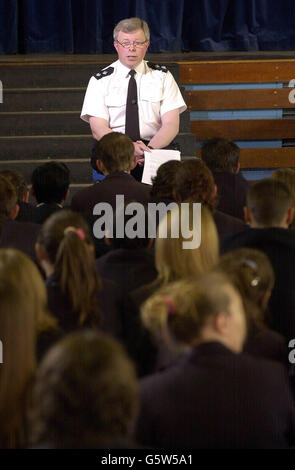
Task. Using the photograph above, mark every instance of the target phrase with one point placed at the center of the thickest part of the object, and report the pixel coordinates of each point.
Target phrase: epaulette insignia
(104, 73)
(160, 68)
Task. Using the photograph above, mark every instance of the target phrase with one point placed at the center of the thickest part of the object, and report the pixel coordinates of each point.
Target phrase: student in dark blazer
(50, 187)
(194, 182)
(173, 262)
(14, 234)
(252, 274)
(269, 212)
(77, 296)
(222, 157)
(115, 159)
(25, 212)
(217, 398)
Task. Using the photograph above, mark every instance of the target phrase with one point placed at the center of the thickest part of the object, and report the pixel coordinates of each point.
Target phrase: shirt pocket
(153, 94)
(115, 100)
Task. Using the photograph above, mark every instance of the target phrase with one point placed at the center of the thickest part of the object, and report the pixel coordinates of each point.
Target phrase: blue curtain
(8, 26)
(85, 26)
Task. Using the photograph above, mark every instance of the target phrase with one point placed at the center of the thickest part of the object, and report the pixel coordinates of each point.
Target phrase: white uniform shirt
(157, 93)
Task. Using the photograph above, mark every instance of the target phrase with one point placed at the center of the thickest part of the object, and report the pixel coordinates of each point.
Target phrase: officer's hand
(140, 148)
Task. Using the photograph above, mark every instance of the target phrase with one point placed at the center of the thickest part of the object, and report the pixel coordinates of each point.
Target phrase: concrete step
(47, 75)
(53, 123)
(81, 171)
(42, 123)
(42, 99)
(64, 146)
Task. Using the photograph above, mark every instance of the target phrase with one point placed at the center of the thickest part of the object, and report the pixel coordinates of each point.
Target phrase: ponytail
(66, 239)
(179, 311)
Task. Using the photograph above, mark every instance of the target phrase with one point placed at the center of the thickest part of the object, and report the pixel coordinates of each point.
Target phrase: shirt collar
(124, 71)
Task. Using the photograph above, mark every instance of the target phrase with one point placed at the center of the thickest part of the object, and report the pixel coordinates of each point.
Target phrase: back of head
(194, 182)
(251, 272)
(129, 25)
(130, 227)
(115, 151)
(287, 176)
(268, 202)
(17, 180)
(85, 393)
(176, 256)
(163, 182)
(50, 182)
(68, 245)
(20, 270)
(8, 197)
(18, 337)
(221, 155)
(180, 310)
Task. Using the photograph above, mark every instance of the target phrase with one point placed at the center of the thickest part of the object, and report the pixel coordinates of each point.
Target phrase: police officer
(157, 101)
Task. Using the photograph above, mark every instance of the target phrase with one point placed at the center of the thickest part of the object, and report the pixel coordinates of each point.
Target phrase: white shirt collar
(122, 69)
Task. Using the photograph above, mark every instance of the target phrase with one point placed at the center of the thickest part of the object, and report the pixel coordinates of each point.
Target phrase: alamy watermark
(1, 92)
(185, 221)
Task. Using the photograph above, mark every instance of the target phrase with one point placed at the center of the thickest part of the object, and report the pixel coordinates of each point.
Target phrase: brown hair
(85, 393)
(18, 336)
(66, 240)
(194, 182)
(8, 197)
(172, 260)
(17, 180)
(221, 155)
(251, 272)
(268, 201)
(287, 176)
(116, 151)
(163, 182)
(181, 309)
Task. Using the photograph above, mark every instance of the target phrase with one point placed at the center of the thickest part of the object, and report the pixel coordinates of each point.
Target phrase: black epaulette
(104, 73)
(160, 68)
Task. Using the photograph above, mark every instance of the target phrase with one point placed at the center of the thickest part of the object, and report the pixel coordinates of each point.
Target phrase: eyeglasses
(127, 44)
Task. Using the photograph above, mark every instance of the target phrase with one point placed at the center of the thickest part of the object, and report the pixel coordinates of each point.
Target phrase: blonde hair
(181, 309)
(172, 260)
(287, 176)
(18, 336)
(18, 268)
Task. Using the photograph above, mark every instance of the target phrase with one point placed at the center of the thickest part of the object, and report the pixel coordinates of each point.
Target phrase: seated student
(216, 398)
(77, 297)
(163, 183)
(194, 182)
(269, 213)
(18, 363)
(251, 273)
(287, 176)
(115, 159)
(13, 234)
(50, 187)
(130, 262)
(25, 208)
(22, 272)
(173, 262)
(222, 158)
(85, 395)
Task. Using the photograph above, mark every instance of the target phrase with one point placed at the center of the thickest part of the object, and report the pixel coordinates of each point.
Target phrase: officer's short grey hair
(128, 25)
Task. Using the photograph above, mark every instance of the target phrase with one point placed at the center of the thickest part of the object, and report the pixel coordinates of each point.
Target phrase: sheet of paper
(154, 159)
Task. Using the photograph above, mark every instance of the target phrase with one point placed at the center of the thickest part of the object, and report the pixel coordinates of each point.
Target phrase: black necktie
(132, 119)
